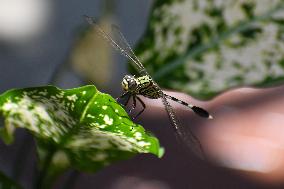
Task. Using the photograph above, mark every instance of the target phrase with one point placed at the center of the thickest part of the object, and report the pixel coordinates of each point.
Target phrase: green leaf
(203, 47)
(82, 127)
(7, 183)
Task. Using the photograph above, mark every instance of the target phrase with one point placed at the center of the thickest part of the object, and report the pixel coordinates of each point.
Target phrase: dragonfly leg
(133, 104)
(143, 105)
(127, 100)
(122, 96)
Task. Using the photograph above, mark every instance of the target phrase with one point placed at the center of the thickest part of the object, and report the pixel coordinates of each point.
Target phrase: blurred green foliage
(7, 183)
(203, 47)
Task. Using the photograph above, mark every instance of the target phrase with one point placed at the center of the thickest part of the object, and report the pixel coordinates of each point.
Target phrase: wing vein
(185, 137)
(121, 46)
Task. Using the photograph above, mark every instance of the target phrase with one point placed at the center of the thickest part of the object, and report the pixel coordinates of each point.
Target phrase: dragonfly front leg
(133, 104)
(143, 105)
(122, 96)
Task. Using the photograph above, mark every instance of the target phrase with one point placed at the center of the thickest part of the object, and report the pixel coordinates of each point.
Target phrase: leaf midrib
(73, 130)
(87, 106)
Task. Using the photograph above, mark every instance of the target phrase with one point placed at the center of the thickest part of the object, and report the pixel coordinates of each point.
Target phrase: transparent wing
(185, 136)
(121, 44)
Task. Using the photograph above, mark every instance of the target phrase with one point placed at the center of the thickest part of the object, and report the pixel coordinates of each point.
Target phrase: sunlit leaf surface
(85, 128)
(203, 47)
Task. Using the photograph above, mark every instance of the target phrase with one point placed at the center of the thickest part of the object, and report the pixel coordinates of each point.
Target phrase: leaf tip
(161, 152)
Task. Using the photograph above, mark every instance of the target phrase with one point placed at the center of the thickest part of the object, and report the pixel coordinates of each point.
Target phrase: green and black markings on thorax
(143, 85)
(147, 87)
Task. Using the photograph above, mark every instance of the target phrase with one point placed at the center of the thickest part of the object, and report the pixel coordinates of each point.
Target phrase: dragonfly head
(129, 83)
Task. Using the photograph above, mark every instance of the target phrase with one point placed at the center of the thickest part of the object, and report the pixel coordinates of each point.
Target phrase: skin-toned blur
(246, 134)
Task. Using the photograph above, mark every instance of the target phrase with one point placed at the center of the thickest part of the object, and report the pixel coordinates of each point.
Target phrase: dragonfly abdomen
(179, 101)
(199, 111)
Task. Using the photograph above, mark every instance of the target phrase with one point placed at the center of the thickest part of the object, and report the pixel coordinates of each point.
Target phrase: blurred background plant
(205, 47)
(200, 47)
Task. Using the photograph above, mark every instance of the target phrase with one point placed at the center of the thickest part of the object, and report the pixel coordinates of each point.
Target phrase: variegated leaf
(203, 47)
(85, 128)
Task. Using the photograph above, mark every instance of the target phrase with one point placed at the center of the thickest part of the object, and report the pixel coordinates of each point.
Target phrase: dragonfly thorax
(142, 85)
(129, 83)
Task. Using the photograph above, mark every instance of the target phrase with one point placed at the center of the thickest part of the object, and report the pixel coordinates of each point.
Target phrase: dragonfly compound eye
(132, 85)
(129, 83)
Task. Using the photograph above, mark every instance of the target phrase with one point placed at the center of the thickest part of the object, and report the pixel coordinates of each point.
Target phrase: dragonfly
(144, 85)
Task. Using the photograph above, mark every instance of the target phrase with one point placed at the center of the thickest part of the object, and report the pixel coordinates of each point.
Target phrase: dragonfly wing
(122, 42)
(121, 45)
(184, 136)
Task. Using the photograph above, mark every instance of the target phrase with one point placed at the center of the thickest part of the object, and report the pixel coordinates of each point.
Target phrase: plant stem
(42, 178)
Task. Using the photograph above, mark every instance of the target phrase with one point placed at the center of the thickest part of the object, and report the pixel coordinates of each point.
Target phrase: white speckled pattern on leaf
(88, 128)
(204, 47)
